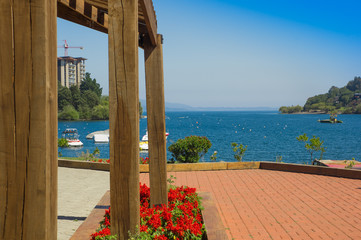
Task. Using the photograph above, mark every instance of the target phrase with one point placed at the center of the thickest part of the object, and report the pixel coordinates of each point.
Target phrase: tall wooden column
(28, 120)
(124, 116)
(156, 121)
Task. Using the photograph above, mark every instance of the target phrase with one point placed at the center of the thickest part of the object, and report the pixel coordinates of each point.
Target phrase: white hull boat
(101, 138)
(72, 136)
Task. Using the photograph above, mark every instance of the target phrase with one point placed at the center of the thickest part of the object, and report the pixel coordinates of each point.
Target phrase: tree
(68, 113)
(100, 112)
(91, 98)
(314, 145)
(140, 110)
(64, 97)
(76, 97)
(190, 149)
(85, 112)
(239, 151)
(90, 84)
(354, 85)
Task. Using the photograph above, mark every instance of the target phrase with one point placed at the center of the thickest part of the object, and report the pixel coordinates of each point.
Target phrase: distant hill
(346, 100)
(179, 107)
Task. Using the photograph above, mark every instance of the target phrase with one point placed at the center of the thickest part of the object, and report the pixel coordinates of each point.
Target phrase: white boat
(145, 137)
(143, 146)
(72, 136)
(101, 138)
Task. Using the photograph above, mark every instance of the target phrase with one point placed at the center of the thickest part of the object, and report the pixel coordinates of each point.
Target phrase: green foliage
(140, 110)
(291, 109)
(171, 182)
(64, 97)
(214, 156)
(312, 145)
(68, 113)
(77, 101)
(86, 101)
(100, 112)
(112, 237)
(350, 164)
(279, 159)
(341, 99)
(62, 142)
(354, 85)
(89, 84)
(87, 156)
(239, 151)
(91, 98)
(189, 149)
(96, 152)
(85, 112)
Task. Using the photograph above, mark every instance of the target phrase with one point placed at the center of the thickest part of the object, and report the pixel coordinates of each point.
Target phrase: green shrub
(312, 145)
(62, 142)
(239, 151)
(69, 113)
(100, 112)
(189, 149)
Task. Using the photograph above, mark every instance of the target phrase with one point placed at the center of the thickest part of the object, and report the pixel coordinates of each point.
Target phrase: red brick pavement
(264, 204)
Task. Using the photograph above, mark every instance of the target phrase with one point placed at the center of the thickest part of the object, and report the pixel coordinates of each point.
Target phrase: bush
(189, 149)
(69, 113)
(239, 151)
(62, 142)
(100, 112)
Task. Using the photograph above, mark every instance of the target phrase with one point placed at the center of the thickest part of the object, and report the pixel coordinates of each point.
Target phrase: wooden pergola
(28, 110)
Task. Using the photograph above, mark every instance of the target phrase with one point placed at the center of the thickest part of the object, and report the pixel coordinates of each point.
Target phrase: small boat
(330, 121)
(72, 136)
(143, 146)
(101, 138)
(145, 137)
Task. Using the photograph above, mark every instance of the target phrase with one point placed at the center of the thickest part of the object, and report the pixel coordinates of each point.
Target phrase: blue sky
(245, 53)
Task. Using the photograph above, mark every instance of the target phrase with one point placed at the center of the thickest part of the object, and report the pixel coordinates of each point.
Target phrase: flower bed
(182, 219)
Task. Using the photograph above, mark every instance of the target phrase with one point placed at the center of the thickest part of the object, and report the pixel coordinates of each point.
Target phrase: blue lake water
(267, 134)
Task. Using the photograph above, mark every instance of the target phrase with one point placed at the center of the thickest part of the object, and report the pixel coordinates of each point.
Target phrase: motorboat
(72, 136)
(145, 137)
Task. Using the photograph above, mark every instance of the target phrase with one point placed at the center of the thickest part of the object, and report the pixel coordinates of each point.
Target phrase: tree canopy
(344, 100)
(86, 102)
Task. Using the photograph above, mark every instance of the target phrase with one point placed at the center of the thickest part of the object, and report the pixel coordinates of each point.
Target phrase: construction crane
(66, 47)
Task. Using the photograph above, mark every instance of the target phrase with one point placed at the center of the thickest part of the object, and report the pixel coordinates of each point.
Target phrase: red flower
(180, 219)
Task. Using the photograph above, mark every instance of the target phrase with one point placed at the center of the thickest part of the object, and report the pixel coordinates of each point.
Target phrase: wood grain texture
(78, 12)
(28, 120)
(124, 116)
(150, 19)
(154, 78)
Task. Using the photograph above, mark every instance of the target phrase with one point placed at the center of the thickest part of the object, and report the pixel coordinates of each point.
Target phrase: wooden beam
(91, 11)
(28, 120)
(77, 11)
(103, 4)
(150, 19)
(124, 116)
(154, 78)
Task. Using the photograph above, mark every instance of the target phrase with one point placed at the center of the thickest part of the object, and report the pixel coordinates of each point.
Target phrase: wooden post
(124, 116)
(28, 120)
(156, 121)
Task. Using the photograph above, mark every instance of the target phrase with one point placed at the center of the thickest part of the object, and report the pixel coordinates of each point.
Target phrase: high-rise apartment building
(71, 71)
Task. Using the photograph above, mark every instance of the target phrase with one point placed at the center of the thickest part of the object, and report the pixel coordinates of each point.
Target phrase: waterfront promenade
(253, 204)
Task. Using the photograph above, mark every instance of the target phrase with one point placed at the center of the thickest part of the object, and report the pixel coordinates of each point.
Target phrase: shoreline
(316, 113)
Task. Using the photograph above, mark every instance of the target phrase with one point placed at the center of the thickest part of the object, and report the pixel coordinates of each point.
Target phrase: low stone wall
(300, 168)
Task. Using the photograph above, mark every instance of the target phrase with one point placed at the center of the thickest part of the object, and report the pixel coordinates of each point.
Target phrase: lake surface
(267, 134)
